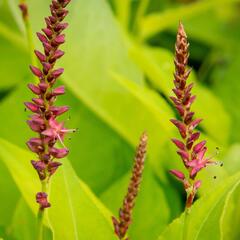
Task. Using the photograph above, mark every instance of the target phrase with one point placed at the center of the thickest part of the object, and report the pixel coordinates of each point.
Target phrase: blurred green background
(118, 73)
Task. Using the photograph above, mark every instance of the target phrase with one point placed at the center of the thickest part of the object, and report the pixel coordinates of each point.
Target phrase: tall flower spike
(191, 152)
(43, 121)
(121, 225)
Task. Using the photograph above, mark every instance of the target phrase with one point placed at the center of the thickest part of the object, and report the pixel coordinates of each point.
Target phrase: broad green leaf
(9, 196)
(231, 159)
(157, 63)
(71, 199)
(203, 221)
(156, 22)
(229, 222)
(23, 225)
(12, 44)
(226, 86)
(123, 11)
(151, 213)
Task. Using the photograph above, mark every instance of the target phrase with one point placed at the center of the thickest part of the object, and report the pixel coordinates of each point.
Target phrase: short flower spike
(121, 225)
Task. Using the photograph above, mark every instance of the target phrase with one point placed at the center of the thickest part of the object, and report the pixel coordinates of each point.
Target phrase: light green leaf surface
(203, 221)
(157, 22)
(226, 86)
(71, 199)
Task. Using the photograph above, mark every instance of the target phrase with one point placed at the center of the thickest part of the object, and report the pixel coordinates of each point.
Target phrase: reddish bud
(57, 73)
(41, 199)
(181, 127)
(36, 71)
(34, 88)
(42, 38)
(178, 174)
(198, 147)
(32, 107)
(59, 153)
(179, 144)
(58, 91)
(40, 56)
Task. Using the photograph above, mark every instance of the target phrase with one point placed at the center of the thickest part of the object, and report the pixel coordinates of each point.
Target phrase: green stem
(41, 211)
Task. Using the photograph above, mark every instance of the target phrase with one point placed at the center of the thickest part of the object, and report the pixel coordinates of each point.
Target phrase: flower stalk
(191, 151)
(121, 225)
(44, 121)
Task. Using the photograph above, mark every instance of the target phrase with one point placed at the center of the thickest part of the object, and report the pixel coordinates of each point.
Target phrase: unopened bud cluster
(44, 118)
(121, 225)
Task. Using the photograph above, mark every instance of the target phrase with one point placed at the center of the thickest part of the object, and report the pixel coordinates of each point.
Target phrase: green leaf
(23, 225)
(71, 199)
(151, 213)
(229, 222)
(231, 159)
(157, 63)
(123, 11)
(157, 22)
(226, 86)
(9, 196)
(203, 221)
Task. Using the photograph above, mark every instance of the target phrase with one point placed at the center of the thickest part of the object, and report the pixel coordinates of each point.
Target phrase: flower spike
(121, 225)
(191, 153)
(44, 121)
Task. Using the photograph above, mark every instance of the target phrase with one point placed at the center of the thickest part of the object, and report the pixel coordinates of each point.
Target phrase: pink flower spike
(178, 174)
(36, 71)
(32, 107)
(179, 144)
(59, 153)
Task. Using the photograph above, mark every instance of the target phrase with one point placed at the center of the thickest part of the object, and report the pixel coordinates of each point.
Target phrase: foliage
(118, 73)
